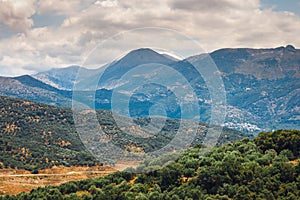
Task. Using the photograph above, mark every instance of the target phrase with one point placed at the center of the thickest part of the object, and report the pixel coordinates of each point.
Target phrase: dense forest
(34, 136)
(264, 168)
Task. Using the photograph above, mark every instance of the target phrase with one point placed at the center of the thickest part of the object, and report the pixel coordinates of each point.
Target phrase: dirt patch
(13, 181)
(16, 181)
(295, 162)
(122, 165)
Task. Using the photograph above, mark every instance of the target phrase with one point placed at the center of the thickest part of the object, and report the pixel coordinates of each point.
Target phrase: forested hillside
(264, 168)
(35, 136)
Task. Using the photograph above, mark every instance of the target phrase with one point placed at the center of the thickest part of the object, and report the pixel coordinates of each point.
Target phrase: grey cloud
(202, 5)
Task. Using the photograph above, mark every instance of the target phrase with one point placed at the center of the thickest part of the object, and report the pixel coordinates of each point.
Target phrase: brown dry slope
(16, 181)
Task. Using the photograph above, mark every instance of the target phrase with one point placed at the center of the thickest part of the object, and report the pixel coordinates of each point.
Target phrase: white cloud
(107, 3)
(16, 14)
(61, 7)
(214, 24)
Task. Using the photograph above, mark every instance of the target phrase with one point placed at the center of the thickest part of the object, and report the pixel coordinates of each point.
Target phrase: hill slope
(242, 170)
(63, 78)
(34, 135)
(29, 88)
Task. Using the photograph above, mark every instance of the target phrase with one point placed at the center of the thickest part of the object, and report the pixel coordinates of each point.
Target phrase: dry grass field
(14, 181)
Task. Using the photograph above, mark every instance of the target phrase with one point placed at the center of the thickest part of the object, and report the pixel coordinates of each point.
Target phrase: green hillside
(35, 136)
(264, 168)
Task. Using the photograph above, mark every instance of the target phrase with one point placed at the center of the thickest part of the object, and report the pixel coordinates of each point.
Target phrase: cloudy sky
(36, 35)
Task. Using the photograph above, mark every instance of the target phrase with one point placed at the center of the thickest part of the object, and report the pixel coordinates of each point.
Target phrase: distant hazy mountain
(131, 60)
(61, 78)
(262, 85)
(64, 78)
(27, 87)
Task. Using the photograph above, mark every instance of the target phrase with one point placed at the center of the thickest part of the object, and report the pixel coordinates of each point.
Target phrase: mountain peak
(26, 79)
(61, 78)
(290, 48)
(131, 60)
(68, 69)
(143, 56)
(32, 82)
(144, 52)
(152, 53)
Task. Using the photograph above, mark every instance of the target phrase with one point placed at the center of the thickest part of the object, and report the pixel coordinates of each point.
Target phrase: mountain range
(262, 85)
